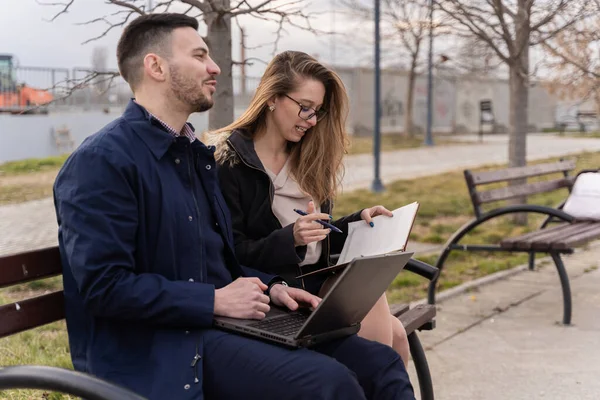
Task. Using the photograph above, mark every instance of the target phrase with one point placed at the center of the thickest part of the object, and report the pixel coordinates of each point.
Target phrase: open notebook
(390, 234)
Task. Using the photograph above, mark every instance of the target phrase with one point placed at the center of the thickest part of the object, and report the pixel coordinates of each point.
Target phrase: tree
(510, 27)
(405, 25)
(475, 58)
(217, 16)
(573, 57)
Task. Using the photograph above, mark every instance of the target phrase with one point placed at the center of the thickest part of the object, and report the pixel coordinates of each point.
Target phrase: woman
(287, 147)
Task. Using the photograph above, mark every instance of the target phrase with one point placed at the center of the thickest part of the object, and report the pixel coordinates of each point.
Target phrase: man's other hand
(289, 297)
(243, 298)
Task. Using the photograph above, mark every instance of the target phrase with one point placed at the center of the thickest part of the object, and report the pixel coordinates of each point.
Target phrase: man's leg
(378, 368)
(236, 367)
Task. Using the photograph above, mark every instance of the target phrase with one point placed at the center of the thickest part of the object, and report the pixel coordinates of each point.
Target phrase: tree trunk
(408, 113)
(517, 143)
(218, 38)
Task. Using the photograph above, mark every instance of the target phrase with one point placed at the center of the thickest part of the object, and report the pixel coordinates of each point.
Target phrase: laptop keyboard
(285, 325)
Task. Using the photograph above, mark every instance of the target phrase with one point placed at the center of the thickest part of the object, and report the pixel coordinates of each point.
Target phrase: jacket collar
(243, 145)
(149, 129)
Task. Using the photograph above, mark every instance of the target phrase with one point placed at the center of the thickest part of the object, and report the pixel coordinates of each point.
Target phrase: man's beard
(189, 91)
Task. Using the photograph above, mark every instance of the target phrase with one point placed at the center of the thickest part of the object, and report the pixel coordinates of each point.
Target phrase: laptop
(340, 312)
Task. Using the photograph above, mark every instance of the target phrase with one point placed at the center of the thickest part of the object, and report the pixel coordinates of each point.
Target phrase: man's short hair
(148, 33)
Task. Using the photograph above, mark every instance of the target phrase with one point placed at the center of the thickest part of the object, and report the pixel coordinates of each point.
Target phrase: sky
(27, 32)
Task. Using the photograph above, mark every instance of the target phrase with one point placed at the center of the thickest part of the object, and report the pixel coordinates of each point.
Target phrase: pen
(325, 224)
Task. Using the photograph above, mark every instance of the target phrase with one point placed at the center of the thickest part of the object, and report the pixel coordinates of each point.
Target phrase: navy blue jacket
(140, 215)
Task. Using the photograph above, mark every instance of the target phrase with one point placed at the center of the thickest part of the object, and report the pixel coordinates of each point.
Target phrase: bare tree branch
(65, 9)
(125, 4)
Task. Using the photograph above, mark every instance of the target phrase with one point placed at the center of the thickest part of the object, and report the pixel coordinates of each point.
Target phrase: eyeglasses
(307, 113)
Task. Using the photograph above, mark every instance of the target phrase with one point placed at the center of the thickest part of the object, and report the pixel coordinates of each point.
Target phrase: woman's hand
(306, 230)
(368, 213)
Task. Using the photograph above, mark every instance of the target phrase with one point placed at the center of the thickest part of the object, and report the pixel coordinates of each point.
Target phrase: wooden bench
(562, 238)
(44, 263)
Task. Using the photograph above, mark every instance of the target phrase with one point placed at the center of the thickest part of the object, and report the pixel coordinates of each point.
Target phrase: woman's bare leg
(377, 325)
(400, 339)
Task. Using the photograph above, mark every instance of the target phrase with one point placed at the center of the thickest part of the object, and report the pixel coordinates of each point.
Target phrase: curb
(485, 280)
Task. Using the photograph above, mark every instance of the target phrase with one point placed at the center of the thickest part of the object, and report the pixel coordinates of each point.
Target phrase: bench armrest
(422, 269)
(415, 266)
(64, 381)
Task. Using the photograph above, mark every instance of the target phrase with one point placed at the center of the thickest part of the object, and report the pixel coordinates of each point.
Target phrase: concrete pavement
(424, 161)
(504, 340)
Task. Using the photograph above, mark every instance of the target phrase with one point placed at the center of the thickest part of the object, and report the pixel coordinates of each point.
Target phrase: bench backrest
(478, 198)
(30, 313)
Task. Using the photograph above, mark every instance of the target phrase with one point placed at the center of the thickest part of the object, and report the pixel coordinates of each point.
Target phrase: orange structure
(17, 97)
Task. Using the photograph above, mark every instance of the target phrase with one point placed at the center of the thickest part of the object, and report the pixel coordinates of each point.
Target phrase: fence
(455, 101)
(40, 89)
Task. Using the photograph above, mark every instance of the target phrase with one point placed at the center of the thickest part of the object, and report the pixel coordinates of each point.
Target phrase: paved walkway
(503, 340)
(414, 163)
(33, 224)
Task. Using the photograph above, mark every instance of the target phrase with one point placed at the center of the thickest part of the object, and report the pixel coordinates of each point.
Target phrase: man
(146, 242)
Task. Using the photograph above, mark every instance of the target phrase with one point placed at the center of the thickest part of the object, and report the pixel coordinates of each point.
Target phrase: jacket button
(177, 161)
(191, 279)
(187, 387)
(190, 218)
(208, 167)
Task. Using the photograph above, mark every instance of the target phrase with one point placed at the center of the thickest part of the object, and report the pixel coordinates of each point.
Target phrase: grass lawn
(29, 179)
(445, 206)
(361, 145)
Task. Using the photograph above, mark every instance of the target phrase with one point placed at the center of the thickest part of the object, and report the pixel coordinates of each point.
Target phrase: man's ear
(155, 67)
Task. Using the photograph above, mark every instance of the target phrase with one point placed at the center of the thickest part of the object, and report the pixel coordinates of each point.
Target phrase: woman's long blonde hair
(316, 161)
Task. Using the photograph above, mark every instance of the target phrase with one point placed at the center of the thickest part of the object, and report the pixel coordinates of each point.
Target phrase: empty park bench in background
(30, 313)
(562, 237)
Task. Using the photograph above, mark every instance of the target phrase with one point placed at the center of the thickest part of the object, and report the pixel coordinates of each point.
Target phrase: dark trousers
(236, 367)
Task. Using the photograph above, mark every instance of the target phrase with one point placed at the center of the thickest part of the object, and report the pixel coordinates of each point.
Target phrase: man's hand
(290, 297)
(242, 298)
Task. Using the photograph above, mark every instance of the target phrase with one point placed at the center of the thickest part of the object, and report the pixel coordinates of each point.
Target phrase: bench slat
(511, 192)
(484, 177)
(580, 238)
(30, 266)
(543, 240)
(398, 309)
(510, 242)
(416, 317)
(554, 242)
(562, 237)
(31, 313)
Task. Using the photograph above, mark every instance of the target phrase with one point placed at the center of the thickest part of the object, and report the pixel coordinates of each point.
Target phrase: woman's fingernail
(372, 224)
(331, 217)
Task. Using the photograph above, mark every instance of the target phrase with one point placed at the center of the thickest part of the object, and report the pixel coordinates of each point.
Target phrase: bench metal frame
(553, 215)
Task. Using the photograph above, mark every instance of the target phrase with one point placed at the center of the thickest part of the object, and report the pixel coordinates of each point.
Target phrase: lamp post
(377, 186)
(428, 135)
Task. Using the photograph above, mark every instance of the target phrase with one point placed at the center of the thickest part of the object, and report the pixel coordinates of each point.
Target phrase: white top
(287, 197)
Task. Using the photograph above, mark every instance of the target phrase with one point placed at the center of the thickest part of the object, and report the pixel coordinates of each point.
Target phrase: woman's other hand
(306, 230)
(368, 213)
